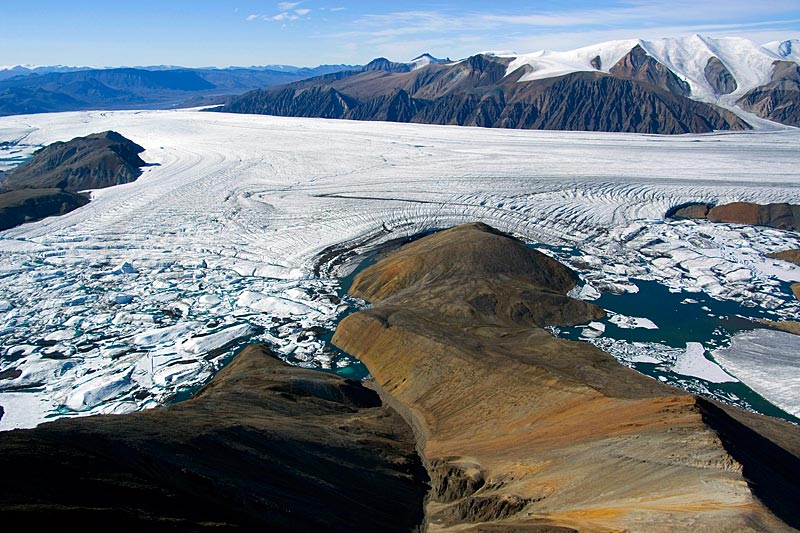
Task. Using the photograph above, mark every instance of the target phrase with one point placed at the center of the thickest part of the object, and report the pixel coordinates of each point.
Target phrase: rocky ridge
(526, 432)
(638, 95)
(49, 183)
(778, 100)
(264, 446)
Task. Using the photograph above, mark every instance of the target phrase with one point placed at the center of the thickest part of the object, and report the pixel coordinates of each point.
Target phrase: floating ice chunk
(162, 335)
(61, 335)
(204, 344)
(693, 362)
(644, 358)
(269, 304)
(125, 268)
(122, 299)
(98, 390)
(5, 305)
(593, 330)
(23, 409)
(131, 318)
(632, 322)
(179, 372)
(588, 292)
(769, 363)
(688, 301)
(210, 300)
(37, 372)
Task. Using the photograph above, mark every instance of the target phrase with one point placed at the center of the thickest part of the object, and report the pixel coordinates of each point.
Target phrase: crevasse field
(238, 228)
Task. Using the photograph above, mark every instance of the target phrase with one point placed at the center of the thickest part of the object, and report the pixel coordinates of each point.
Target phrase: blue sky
(311, 32)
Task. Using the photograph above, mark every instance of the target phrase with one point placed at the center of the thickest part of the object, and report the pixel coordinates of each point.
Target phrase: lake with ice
(237, 235)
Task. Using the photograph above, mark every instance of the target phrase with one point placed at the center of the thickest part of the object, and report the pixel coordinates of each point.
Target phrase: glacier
(236, 230)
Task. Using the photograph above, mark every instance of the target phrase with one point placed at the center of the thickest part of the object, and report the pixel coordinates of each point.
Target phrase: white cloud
(302, 12)
(253, 17)
(288, 6)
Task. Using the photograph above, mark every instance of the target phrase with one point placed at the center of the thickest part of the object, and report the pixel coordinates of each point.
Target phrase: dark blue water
(708, 321)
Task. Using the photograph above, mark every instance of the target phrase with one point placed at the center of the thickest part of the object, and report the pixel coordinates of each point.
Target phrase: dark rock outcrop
(698, 210)
(26, 205)
(47, 184)
(522, 431)
(264, 446)
(92, 162)
(778, 100)
(639, 65)
(780, 216)
(719, 76)
(477, 92)
(792, 256)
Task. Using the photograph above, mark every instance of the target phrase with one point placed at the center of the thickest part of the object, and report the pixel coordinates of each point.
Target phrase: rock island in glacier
(234, 234)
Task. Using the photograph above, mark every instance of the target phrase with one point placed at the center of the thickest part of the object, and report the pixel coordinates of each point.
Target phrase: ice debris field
(238, 232)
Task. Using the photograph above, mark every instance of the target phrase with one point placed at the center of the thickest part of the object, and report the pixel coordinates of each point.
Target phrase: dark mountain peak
(783, 70)
(430, 59)
(639, 65)
(384, 64)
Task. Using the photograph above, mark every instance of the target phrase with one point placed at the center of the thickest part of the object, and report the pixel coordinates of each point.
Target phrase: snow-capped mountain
(426, 59)
(681, 85)
(749, 64)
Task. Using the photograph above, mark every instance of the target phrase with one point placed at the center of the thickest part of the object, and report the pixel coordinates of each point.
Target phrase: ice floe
(632, 322)
(692, 362)
(769, 363)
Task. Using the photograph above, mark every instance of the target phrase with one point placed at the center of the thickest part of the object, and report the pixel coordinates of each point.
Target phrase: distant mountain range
(689, 85)
(26, 90)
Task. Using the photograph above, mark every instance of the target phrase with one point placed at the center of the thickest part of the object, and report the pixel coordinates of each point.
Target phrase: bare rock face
(263, 447)
(521, 431)
(719, 76)
(92, 162)
(792, 256)
(778, 100)
(639, 65)
(781, 216)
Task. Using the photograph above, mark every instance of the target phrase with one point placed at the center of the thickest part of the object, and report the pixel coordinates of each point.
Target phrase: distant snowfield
(115, 306)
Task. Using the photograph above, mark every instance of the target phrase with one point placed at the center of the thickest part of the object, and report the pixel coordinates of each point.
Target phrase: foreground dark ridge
(639, 95)
(264, 446)
(49, 183)
(523, 431)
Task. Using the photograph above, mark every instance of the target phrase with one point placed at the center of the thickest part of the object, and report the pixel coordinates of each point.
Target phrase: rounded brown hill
(462, 252)
(523, 431)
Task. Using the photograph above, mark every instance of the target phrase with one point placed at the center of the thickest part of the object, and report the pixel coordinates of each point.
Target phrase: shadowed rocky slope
(640, 95)
(779, 100)
(523, 431)
(264, 446)
(92, 162)
(47, 184)
(18, 207)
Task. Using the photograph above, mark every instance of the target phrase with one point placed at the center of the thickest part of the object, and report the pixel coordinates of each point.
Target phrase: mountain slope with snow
(750, 65)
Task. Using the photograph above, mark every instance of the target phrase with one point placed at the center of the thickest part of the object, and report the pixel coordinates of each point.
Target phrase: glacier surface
(237, 228)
